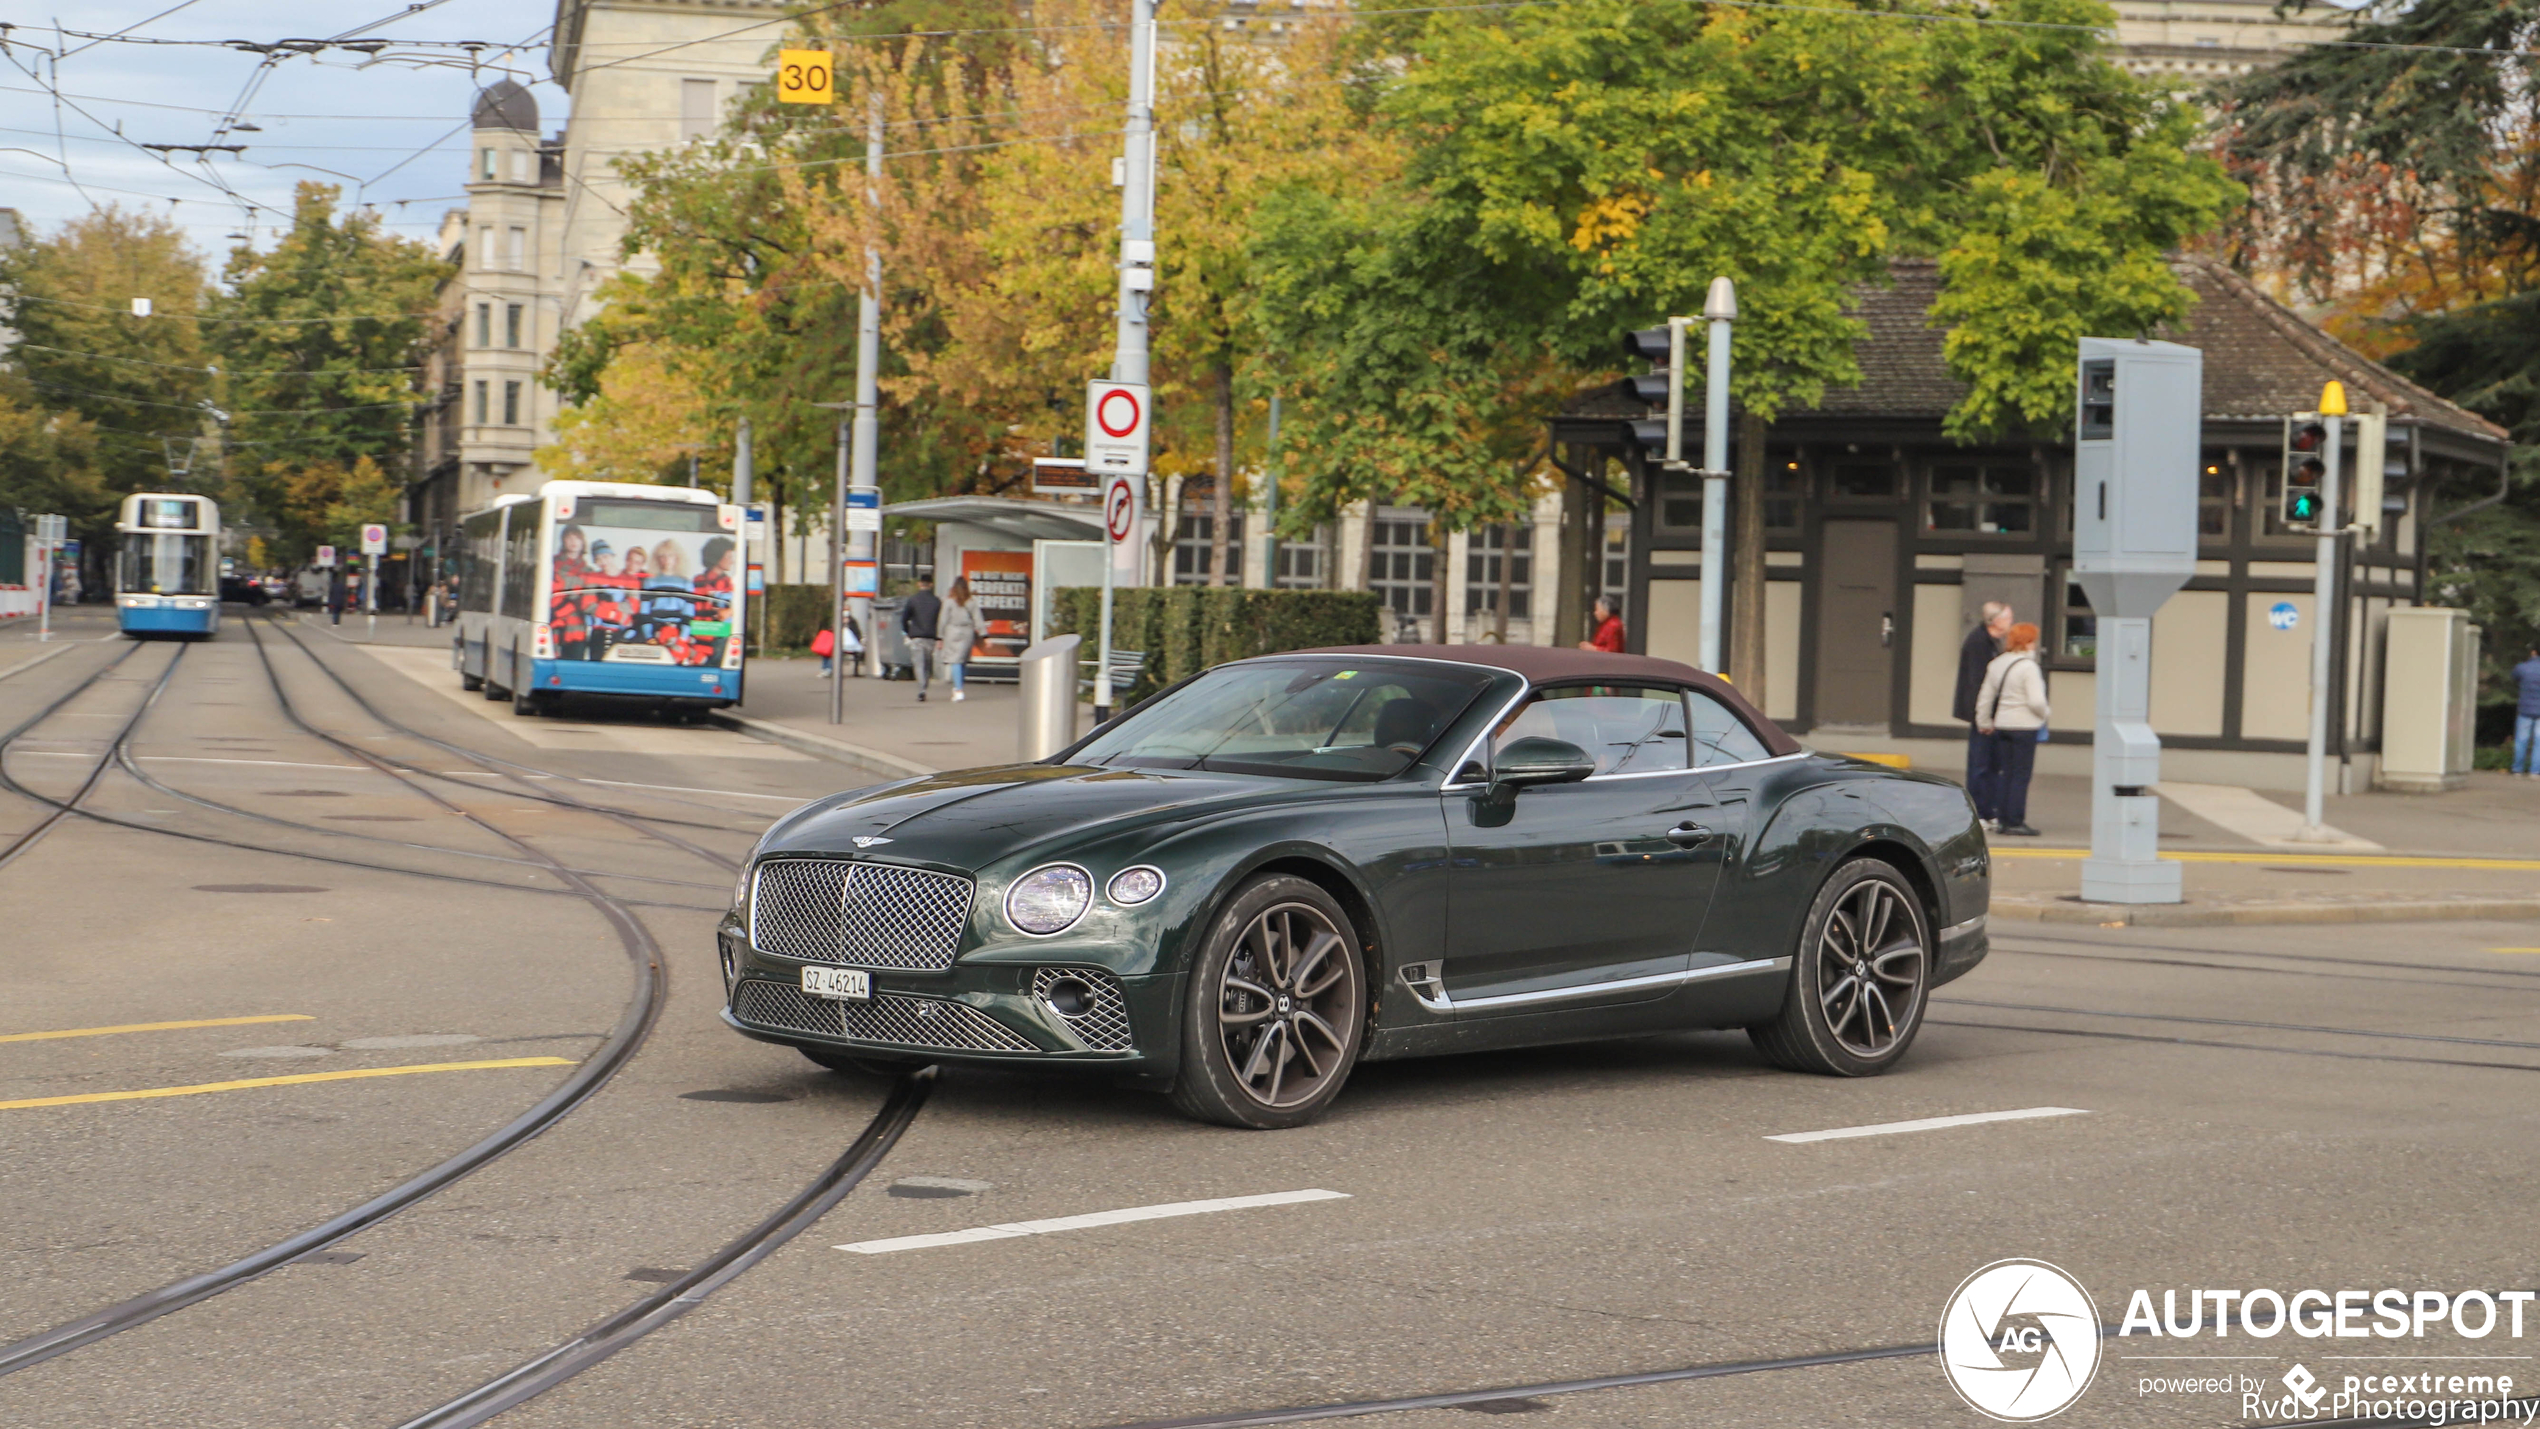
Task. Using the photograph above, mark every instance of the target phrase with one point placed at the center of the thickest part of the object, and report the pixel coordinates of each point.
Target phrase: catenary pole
(1720, 310)
(863, 545)
(1137, 279)
(2323, 601)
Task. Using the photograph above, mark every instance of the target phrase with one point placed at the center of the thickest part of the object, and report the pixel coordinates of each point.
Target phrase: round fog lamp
(1133, 886)
(1047, 900)
(1069, 997)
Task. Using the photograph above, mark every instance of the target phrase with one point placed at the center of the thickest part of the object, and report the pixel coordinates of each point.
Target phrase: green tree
(1584, 169)
(317, 340)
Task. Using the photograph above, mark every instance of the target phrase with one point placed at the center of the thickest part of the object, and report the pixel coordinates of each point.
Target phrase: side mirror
(1537, 760)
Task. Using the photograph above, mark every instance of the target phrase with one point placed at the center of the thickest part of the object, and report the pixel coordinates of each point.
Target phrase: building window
(485, 247)
(516, 249)
(1192, 538)
(696, 108)
(1401, 566)
(520, 166)
(1784, 486)
(1863, 481)
(1616, 569)
(511, 404)
(511, 325)
(485, 167)
(480, 403)
(2214, 487)
(1493, 554)
(1984, 498)
(484, 324)
(1300, 563)
(1679, 501)
(2076, 625)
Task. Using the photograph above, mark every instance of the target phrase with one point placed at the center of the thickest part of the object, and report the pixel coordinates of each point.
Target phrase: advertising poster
(643, 582)
(1001, 594)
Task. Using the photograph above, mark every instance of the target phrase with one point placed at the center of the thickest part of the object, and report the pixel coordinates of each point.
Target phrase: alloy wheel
(1871, 965)
(1286, 1003)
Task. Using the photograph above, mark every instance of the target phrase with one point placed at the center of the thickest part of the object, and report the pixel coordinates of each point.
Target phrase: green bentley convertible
(1286, 866)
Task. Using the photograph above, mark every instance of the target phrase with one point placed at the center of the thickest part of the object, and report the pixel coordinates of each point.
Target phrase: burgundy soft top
(1557, 665)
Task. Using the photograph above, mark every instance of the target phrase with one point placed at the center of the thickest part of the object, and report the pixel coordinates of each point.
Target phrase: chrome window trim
(1432, 993)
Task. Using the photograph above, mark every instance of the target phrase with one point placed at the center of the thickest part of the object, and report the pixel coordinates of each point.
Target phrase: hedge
(794, 614)
(1186, 629)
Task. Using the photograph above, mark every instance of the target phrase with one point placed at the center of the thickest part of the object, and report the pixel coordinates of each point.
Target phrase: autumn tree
(102, 391)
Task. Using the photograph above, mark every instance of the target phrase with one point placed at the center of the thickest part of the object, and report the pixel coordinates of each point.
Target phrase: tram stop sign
(374, 540)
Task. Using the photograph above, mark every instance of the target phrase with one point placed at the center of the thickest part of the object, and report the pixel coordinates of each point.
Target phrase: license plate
(848, 984)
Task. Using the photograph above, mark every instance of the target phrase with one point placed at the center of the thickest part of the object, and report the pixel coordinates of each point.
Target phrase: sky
(391, 127)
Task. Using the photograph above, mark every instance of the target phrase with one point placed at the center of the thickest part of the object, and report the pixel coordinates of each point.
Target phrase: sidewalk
(884, 729)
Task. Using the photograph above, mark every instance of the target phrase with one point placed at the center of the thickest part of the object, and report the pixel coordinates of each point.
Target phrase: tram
(167, 572)
(601, 588)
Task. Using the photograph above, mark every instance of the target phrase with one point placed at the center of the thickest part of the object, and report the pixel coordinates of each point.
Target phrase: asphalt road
(2340, 1107)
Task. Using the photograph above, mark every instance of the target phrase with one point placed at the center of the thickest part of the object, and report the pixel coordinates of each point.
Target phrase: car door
(1587, 893)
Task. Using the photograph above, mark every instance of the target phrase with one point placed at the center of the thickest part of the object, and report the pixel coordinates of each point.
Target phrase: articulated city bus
(601, 588)
(167, 572)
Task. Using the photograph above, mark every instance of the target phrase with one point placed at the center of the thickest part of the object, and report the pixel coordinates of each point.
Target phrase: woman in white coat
(2010, 711)
(958, 627)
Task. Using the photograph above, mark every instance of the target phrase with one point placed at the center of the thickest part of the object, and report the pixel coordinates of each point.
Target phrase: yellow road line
(2514, 950)
(244, 1084)
(155, 1027)
(2332, 860)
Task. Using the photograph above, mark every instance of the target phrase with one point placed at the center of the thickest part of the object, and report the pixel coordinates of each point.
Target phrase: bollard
(1049, 697)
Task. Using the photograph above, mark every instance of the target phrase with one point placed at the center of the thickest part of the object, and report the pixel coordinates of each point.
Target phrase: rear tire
(471, 683)
(1860, 977)
(1277, 1009)
(527, 703)
(836, 1061)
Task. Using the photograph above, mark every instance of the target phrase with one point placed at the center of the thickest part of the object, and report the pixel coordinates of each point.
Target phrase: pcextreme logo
(2019, 1341)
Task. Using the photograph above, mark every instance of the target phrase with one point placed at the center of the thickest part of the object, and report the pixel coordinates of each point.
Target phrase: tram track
(653, 1312)
(62, 809)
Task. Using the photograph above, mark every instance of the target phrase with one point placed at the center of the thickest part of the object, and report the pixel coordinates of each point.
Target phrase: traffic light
(1662, 387)
(2298, 505)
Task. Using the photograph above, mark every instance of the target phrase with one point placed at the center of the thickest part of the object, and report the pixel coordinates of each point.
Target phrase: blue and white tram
(167, 572)
(602, 588)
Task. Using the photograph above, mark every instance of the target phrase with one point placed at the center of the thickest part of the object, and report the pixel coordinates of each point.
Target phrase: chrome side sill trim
(1424, 980)
(1960, 930)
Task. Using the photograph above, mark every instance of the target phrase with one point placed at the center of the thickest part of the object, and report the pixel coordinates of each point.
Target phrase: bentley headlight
(1133, 886)
(1047, 900)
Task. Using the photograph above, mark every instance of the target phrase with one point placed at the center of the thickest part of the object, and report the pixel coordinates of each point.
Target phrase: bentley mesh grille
(889, 1017)
(867, 915)
(1103, 1026)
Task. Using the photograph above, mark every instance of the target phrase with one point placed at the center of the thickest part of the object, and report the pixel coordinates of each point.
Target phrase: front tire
(1277, 1009)
(1860, 979)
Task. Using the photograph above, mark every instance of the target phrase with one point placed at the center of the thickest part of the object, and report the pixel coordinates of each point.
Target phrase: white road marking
(1088, 1222)
(1929, 1123)
(189, 759)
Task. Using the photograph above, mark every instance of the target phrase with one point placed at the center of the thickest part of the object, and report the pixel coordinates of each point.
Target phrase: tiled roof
(2261, 360)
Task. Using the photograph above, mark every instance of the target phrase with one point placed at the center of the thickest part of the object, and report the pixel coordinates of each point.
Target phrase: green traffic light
(2305, 507)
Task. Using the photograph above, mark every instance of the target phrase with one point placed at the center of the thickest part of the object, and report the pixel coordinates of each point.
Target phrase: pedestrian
(335, 593)
(917, 621)
(1975, 653)
(851, 645)
(2010, 710)
(959, 625)
(1608, 624)
(2526, 713)
(823, 645)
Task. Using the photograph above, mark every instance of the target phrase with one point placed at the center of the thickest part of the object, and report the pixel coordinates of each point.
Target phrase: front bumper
(1962, 946)
(988, 1013)
(711, 684)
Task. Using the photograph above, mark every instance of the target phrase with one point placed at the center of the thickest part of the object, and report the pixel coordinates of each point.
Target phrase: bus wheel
(471, 683)
(526, 703)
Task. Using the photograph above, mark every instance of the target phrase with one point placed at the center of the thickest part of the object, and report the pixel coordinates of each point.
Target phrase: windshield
(1297, 719)
(167, 565)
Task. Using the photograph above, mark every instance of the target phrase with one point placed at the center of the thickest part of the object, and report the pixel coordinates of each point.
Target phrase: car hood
(973, 817)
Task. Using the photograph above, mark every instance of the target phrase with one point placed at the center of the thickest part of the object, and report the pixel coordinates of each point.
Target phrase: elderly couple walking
(2002, 697)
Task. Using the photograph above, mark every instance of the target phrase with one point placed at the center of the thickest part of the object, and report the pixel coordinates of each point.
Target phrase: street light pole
(838, 569)
(867, 434)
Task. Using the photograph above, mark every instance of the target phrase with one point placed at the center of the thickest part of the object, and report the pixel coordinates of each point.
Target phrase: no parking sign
(374, 539)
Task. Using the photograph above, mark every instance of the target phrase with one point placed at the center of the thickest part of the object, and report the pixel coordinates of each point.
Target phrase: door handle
(1688, 835)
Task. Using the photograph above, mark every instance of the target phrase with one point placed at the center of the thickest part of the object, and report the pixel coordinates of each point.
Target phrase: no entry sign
(1116, 427)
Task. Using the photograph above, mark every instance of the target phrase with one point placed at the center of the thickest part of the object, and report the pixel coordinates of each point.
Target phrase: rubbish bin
(886, 644)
